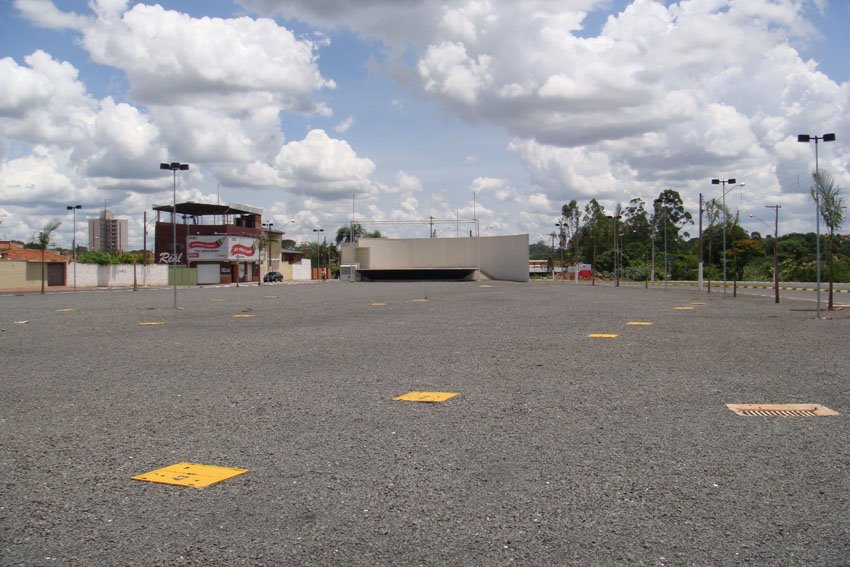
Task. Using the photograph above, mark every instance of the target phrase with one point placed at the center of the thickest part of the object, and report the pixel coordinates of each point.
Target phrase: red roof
(28, 255)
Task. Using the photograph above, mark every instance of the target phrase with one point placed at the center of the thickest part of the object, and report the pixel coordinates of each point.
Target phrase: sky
(404, 110)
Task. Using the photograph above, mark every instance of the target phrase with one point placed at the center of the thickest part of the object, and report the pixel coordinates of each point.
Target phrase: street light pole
(723, 182)
(174, 166)
(269, 226)
(318, 232)
(561, 224)
(806, 138)
(775, 252)
(73, 209)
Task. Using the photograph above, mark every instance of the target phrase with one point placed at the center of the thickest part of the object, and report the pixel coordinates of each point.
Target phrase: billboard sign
(214, 248)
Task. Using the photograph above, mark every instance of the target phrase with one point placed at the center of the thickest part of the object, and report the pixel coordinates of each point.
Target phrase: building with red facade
(222, 242)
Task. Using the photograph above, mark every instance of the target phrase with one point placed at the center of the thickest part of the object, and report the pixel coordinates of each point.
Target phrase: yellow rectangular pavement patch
(243, 316)
(683, 308)
(377, 304)
(65, 310)
(433, 397)
(602, 336)
(697, 302)
(640, 323)
(151, 323)
(190, 474)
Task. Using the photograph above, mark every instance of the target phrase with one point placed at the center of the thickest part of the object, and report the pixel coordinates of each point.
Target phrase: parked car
(273, 277)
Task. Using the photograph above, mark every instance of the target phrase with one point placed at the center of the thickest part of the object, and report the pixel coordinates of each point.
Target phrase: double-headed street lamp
(174, 166)
(806, 138)
(724, 182)
(562, 240)
(73, 209)
(318, 232)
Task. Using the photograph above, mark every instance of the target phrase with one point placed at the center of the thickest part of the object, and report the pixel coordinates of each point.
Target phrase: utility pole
(775, 255)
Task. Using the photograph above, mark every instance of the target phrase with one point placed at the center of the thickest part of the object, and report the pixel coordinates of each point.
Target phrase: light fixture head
(804, 138)
(829, 137)
(715, 182)
(732, 181)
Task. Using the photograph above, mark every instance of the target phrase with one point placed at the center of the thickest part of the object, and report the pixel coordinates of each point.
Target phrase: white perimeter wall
(501, 257)
(117, 275)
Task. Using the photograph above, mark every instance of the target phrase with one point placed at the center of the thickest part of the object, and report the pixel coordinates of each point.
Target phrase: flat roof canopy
(202, 209)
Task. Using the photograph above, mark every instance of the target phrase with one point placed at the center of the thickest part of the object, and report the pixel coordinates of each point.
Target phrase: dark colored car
(273, 277)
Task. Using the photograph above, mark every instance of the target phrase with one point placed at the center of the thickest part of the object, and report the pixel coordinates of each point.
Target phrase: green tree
(596, 227)
(43, 241)
(831, 210)
(742, 252)
(97, 257)
(571, 216)
(343, 233)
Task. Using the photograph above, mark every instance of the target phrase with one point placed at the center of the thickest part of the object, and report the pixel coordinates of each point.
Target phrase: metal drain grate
(781, 410)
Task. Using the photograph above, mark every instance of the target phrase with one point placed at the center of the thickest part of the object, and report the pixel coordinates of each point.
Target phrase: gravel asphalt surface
(559, 450)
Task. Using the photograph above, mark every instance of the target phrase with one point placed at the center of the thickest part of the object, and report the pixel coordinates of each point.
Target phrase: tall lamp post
(724, 182)
(806, 138)
(318, 232)
(73, 209)
(562, 237)
(174, 166)
(268, 226)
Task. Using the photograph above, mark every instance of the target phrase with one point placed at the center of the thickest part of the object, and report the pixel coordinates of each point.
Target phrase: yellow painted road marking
(65, 310)
(432, 397)
(190, 474)
(243, 316)
(697, 302)
(602, 336)
(640, 323)
(151, 323)
(684, 308)
(271, 297)
(377, 304)
(419, 300)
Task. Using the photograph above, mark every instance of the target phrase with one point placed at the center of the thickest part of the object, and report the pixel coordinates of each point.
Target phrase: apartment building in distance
(107, 234)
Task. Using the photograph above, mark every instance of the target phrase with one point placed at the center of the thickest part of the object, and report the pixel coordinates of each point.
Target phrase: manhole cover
(781, 410)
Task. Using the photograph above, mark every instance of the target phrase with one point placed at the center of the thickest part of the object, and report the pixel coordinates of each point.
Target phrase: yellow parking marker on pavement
(377, 304)
(602, 336)
(271, 297)
(697, 302)
(430, 397)
(151, 323)
(65, 310)
(419, 300)
(683, 308)
(217, 299)
(190, 474)
(243, 316)
(640, 323)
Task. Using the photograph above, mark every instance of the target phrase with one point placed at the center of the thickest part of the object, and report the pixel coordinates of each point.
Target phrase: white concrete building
(486, 257)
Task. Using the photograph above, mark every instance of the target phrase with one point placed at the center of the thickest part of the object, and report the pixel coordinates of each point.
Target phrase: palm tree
(831, 211)
(43, 240)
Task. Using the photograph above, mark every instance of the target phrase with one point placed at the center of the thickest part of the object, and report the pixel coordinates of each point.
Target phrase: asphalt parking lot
(560, 449)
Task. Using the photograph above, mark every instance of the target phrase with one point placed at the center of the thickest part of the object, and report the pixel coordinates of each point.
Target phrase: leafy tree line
(659, 240)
